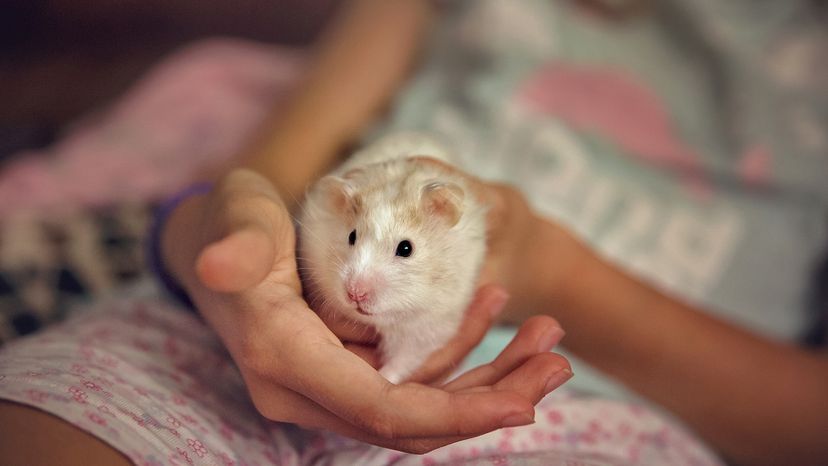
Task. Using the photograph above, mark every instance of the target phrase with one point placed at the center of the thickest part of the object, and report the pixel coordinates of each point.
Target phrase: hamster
(394, 243)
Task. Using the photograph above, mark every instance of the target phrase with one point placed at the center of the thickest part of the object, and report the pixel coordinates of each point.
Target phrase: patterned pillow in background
(48, 266)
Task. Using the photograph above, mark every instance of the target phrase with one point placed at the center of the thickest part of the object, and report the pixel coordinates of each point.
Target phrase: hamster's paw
(402, 360)
(394, 374)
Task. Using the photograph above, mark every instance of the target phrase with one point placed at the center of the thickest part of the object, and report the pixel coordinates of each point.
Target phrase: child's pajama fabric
(153, 381)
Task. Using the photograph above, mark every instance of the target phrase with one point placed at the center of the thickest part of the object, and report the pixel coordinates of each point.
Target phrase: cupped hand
(234, 252)
(505, 282)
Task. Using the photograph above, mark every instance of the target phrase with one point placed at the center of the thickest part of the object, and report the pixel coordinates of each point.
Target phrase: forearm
(756, 400)
(358, 64)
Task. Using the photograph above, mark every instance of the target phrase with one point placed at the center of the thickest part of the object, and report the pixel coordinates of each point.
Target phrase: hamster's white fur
(383, 197)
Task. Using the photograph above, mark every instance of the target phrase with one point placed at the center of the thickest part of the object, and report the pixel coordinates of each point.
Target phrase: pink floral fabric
(155, 383)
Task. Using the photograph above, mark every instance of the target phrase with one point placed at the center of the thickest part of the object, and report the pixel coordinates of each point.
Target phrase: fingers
(537, 377)
(347, 386)
(534, 379)
(538, 334)
(395, 418)
(487, 304)
(283, 405)
(525, 366)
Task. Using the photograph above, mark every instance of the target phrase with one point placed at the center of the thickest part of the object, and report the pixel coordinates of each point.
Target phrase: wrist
(551, 256)
(563, 258)
(172, 245)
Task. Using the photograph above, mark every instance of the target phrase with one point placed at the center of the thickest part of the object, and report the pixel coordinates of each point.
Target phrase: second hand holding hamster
(396, 243)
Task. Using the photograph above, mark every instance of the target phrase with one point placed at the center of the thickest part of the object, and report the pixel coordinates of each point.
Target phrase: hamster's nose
(358, 291)
(355, 297)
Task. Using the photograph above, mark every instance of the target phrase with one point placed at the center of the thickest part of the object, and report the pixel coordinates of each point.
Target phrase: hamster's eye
(404, 249)
(352, 238)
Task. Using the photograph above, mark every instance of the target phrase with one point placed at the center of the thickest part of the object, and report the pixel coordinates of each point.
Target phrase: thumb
(253, 230)
(236, 262)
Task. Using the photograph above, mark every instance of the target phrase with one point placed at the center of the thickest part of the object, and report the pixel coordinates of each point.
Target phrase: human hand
(234, 252)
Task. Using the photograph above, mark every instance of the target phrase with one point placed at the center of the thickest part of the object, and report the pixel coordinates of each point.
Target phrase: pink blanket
(192, 112)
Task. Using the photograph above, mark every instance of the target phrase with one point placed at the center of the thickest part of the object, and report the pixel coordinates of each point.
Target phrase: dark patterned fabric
(48, 266)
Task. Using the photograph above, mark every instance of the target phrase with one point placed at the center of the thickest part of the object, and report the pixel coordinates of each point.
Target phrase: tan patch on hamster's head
(422, 196)
(443, 200)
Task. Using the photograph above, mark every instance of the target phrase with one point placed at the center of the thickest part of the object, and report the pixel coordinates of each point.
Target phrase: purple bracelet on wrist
(154, 259)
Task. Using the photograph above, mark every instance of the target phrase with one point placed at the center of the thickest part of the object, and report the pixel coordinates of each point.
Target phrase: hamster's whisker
(312, 211)
(355, 325)
(365, 331)
(320, 303)
(324, 243)
(316, 305)
(296, 200)
(314, 273)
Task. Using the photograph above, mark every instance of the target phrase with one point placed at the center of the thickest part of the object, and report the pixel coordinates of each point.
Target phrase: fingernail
(497, 301)
(550, 339)
(557, 379)
(518, 419)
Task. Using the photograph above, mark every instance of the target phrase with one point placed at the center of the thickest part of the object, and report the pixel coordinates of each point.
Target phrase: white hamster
(394, 243)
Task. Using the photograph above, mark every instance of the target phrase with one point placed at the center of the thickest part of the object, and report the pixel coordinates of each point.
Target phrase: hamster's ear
(444, 200)
(353, 174)
(338, 194)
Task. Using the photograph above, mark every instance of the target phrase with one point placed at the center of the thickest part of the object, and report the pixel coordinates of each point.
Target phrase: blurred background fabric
(108, 106)
(84, 155)
(62, 58)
